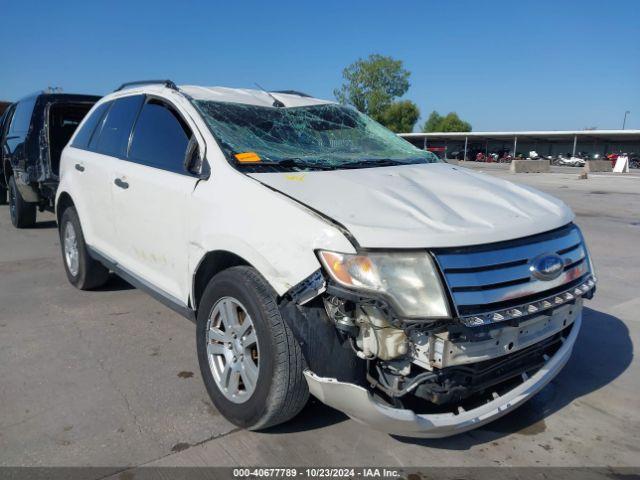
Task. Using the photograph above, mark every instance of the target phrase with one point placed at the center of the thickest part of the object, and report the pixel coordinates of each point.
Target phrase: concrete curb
(598, 166)
(530, 166)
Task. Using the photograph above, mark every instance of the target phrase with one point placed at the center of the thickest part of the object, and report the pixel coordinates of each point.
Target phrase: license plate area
(438, 351)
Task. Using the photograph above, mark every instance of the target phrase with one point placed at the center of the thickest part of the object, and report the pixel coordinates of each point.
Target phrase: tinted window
(160, 138)
(83, 137)
(113, 137)
(22, 117)
(6, 119)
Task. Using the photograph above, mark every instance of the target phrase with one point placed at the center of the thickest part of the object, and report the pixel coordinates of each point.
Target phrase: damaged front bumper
(359, 404)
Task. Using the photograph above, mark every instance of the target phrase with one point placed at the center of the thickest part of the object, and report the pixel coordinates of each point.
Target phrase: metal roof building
(552, 142)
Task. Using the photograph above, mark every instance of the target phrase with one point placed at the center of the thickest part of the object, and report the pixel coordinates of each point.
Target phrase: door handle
(121, 183)
(79, 167)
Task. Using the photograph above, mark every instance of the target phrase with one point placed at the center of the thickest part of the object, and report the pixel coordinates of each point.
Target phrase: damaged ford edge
(319, 253)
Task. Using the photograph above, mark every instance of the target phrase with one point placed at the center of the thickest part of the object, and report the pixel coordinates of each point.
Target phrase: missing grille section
(462, 388)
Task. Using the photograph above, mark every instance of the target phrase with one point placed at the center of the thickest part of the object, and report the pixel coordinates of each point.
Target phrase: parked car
(569, 160)
(33, 132)
(320, 253)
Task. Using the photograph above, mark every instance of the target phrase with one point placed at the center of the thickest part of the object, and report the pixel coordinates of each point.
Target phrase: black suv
(33, 132)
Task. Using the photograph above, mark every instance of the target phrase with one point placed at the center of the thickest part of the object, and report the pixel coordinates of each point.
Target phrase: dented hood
(426, 205)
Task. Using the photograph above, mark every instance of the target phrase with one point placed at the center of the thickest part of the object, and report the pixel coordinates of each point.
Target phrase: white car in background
(319, 252)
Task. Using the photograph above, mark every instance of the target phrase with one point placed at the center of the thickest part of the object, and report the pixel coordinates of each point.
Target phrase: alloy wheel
(71, 256)
(232, 349)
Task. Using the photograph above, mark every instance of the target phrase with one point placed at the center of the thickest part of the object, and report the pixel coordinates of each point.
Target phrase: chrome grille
(491, 278)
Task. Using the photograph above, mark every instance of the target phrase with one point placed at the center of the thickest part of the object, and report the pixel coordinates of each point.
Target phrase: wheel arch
(63, 202)
(212, 263)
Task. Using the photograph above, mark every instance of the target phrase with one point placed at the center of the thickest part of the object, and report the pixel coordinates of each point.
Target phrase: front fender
(271, 232)
(282, 267)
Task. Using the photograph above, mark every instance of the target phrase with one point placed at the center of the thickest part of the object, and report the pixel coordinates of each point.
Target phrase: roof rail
(292, 92)
(166, 83)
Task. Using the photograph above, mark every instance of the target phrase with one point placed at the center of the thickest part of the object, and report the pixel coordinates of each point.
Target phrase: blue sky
(502, 65)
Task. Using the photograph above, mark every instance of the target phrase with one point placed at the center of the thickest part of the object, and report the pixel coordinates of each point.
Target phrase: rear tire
(83, 271)
(23, 214)
(278, 391)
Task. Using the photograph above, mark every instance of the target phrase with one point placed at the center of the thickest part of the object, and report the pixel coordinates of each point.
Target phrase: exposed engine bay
(425, 366)
(443, 363)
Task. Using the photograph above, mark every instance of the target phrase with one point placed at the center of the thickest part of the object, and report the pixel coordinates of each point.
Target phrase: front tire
(83, 271)
(251, 364)
(23, 214)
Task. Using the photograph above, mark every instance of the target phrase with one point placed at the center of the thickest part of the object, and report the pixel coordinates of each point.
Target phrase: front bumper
(360, 405)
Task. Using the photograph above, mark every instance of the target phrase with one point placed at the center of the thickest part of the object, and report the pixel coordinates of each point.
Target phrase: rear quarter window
(22, 117)
(5, 120)
(83, 137)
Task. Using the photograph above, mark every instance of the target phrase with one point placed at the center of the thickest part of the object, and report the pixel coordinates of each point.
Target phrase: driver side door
(151, 194)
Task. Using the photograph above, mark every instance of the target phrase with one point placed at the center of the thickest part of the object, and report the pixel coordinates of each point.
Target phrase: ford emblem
(547, 266)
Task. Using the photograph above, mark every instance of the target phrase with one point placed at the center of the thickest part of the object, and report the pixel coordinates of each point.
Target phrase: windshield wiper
(375, 162)
(287, 163)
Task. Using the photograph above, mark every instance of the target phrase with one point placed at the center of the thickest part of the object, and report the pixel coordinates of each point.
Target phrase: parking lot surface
(110, 377)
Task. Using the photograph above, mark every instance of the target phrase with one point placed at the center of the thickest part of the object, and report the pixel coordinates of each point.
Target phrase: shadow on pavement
(313, 416)
(602, 352)
(115, 284)
(44, 225)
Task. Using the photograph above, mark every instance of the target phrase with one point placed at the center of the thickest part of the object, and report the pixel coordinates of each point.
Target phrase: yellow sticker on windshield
(247, 157)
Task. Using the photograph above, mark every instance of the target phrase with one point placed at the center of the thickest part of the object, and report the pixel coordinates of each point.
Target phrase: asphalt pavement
(110, 377)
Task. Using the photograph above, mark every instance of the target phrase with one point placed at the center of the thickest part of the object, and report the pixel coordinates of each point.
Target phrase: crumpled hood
(426, 205)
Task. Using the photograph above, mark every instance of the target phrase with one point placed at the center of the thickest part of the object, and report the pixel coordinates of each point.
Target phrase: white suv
(319, 252)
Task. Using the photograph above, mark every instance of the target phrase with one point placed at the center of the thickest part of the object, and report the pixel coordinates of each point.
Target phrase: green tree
(451, 122)
(399, 116)
(433, 122)
(372, 84)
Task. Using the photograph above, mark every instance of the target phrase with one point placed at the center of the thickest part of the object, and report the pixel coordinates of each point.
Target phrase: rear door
(151, 195)
(96, 151)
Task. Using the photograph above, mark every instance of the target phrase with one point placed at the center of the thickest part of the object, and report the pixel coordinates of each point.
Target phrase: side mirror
(193, 161)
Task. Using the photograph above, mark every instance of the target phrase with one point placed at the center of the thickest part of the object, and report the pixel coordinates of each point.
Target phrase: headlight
(409, 279)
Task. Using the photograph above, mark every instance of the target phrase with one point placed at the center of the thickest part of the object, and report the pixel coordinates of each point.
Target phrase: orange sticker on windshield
(247, 157)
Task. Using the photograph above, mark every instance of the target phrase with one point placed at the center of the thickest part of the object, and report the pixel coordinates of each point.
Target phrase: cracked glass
(327, 136)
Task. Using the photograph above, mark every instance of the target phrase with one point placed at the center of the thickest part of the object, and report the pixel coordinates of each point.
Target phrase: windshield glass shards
(317, 137)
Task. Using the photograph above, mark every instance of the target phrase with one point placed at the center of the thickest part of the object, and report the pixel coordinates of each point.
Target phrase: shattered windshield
(326, 136)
